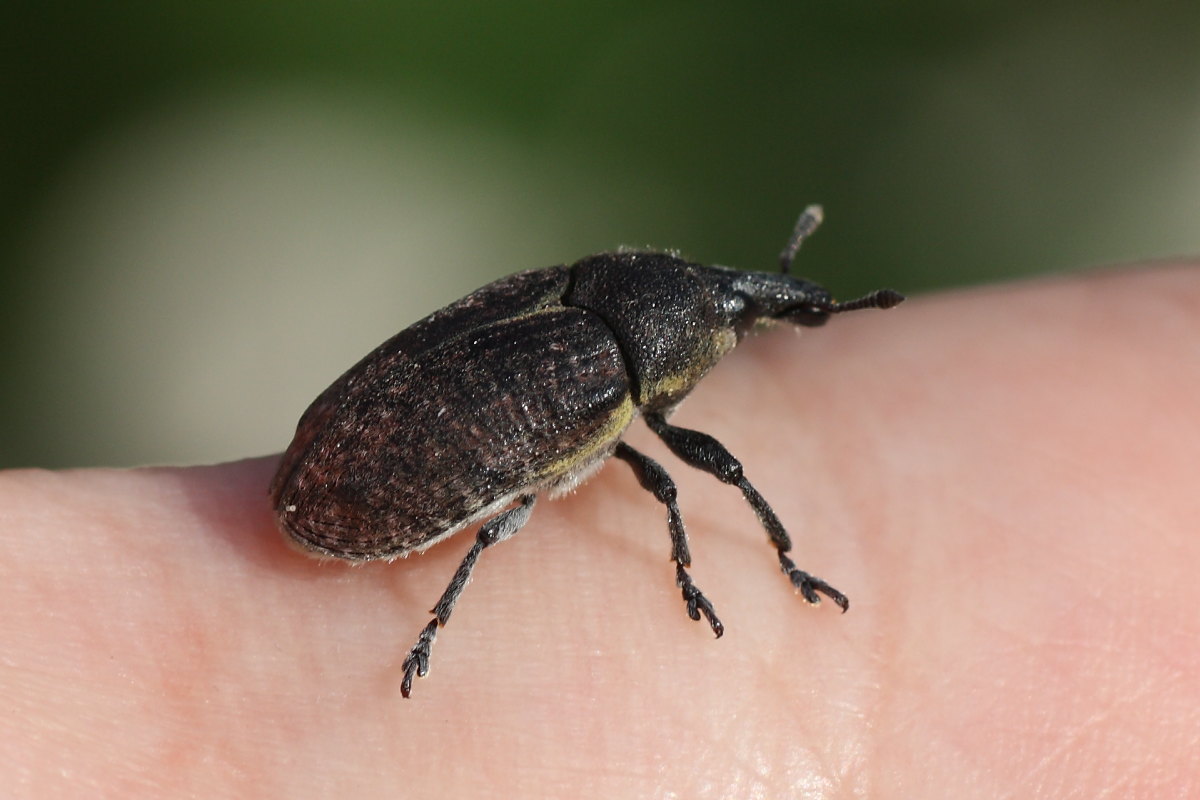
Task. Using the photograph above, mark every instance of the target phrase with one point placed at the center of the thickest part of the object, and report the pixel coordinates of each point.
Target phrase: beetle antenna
(880, 298)
(808, 222)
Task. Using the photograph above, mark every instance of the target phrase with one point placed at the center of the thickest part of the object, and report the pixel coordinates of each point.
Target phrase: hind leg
(497, 529)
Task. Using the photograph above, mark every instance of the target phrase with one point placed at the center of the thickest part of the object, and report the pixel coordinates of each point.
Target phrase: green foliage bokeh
(951, 143)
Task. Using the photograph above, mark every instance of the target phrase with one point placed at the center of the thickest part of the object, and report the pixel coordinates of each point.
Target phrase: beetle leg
(704, 452)
(497, 529)
(656, 480)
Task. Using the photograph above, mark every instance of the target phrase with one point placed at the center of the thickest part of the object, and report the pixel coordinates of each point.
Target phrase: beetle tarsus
(697, 603)
(417, 662)
(810, 585)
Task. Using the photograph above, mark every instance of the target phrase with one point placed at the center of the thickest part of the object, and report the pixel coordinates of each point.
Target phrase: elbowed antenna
(808, 222)
(880, 298)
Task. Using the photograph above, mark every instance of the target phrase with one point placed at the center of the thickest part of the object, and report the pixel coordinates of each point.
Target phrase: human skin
(1002, 480)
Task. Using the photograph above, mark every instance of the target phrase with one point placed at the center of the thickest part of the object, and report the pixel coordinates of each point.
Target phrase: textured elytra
(425, 445)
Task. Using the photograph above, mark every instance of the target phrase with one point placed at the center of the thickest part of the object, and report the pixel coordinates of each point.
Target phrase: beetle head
(764, 297)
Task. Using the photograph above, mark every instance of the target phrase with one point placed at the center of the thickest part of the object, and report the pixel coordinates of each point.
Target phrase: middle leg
(656, 480)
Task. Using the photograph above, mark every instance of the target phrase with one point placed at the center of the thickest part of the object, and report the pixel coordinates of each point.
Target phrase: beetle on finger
(525, 387)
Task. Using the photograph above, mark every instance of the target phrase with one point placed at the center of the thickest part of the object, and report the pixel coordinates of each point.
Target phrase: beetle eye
(734, 306)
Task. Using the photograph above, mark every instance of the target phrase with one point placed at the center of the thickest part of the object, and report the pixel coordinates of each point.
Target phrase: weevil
(524, 388)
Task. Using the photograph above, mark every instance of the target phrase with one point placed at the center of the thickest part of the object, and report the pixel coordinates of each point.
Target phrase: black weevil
(526, 386)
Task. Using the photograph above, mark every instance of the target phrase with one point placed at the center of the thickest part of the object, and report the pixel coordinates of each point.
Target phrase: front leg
(704, 452)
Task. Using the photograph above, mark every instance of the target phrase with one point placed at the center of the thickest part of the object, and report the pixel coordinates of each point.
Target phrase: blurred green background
(208, 210)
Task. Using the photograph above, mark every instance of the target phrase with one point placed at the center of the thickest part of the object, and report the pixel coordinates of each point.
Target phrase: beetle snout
(810, 316)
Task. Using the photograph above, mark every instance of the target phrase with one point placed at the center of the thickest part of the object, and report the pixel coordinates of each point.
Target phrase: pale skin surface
(1003, 481)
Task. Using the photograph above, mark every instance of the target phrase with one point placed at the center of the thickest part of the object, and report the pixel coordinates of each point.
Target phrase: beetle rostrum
(525, 387)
